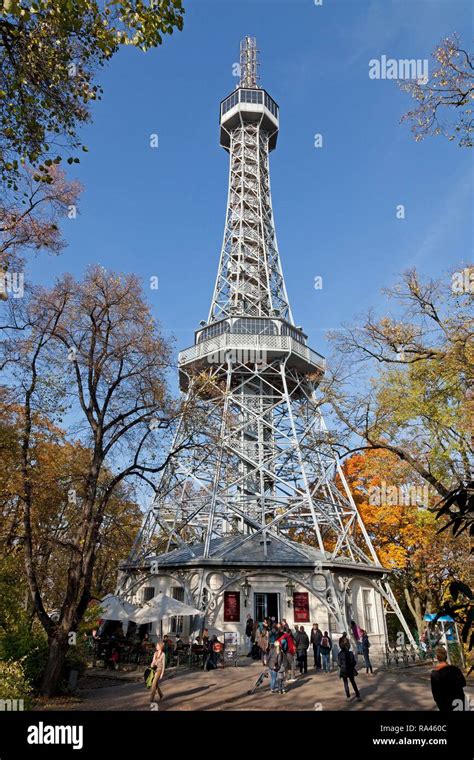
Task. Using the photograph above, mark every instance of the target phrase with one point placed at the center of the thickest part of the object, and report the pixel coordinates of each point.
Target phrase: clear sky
(160, 211)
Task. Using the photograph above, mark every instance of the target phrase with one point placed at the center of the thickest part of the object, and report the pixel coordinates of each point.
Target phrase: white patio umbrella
(215, 632)
(159, 607)
(115, 608)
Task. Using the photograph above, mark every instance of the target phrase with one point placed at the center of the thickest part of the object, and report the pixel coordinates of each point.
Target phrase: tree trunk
(58, 646)
(415, 609)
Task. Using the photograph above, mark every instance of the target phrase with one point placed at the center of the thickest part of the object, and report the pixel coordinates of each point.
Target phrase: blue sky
(161, 211)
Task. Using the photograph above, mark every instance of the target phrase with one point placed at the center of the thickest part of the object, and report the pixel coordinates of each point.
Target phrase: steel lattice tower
(261, 464)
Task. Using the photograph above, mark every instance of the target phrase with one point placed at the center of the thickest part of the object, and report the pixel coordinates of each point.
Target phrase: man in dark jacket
(365, 651)
(316, 637)
(249, 634)
(447, 683)
(302, 645)
(347, 669)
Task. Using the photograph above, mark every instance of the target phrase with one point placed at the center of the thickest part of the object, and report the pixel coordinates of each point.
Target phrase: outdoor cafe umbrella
(115, 608)
(159, 607)
(215, 632)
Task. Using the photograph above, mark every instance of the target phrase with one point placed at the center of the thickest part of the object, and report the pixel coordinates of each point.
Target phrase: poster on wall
(301, 606)
(231, 606)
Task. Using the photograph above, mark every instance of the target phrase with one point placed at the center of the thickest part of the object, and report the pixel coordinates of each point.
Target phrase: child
(281, 666)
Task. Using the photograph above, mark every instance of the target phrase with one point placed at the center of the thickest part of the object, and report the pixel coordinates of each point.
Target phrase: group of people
(281, 649)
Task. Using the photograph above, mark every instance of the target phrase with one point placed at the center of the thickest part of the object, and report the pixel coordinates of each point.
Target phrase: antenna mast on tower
(248, 63)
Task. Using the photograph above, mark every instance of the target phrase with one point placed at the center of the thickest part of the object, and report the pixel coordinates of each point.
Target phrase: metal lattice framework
(249, 279)
(261, 463)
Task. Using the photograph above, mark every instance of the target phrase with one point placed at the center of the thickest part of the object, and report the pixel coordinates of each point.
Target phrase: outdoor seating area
(123, 639)
(115, 652)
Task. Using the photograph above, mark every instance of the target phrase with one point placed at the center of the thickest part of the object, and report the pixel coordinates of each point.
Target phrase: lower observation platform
(248, 350)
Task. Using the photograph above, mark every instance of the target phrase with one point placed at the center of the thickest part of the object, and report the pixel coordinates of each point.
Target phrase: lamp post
(290, 587)
(246, 589)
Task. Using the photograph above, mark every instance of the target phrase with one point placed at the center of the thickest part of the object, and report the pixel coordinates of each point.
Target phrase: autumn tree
(32, 222)
(396, 510)
(444, 102)
(50, 52)
(90, 350)
(403, 383)
(57, 479)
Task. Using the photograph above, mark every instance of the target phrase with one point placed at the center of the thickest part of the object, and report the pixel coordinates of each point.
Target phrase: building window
(217, 328)
(369, 617)
(148, 593)
(254, 327)
(271, 105)
(293, 333)
(176, 622)
(251, 96)
(230, 102)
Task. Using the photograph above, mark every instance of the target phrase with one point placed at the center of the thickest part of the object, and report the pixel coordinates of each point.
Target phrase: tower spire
(249, 281)
(248, 63)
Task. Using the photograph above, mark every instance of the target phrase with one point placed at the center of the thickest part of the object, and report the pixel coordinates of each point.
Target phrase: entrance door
(267, 606)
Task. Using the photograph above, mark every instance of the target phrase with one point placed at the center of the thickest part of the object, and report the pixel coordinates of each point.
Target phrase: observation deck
(248, 341)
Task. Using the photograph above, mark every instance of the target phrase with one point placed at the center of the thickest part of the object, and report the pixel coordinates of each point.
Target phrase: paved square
(227, 689)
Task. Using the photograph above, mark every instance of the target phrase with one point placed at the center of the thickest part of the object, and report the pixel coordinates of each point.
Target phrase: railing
(270, 343)
(403, 656)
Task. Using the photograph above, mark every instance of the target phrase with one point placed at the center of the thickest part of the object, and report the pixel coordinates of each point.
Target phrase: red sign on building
(301, 606)
(231, 606)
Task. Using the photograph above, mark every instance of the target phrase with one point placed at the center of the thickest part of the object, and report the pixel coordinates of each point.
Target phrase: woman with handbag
(158, 666)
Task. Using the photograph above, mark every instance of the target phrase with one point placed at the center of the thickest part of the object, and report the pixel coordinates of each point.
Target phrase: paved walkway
(227, 689)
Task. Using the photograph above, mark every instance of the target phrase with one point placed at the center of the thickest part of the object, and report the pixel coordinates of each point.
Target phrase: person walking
(282, 667)
(302, 645)
(249, 634)
(287, 644)
(325, 649)
(365, 643)
(263, 642)
(344, 638)
(273, 666)
(347, 670)
(316, 637)
(158, 665)
(447, 684)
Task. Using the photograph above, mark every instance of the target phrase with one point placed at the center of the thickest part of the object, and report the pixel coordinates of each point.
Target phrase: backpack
(290, 643)
(325, 642)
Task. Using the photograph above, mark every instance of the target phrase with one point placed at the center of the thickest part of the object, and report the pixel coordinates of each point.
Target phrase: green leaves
(46, 89)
